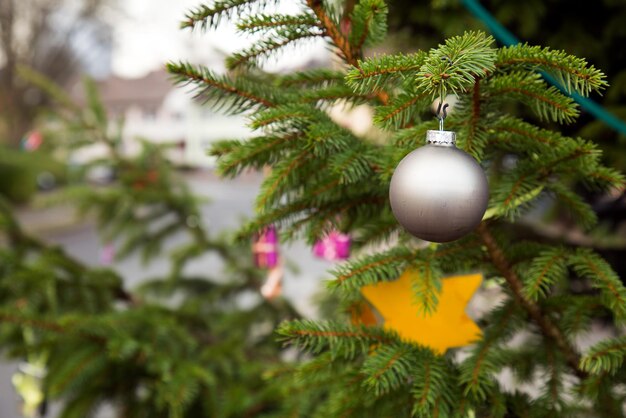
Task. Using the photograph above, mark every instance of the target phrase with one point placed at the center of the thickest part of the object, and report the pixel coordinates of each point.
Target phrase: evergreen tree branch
(47, 325)
(588, 264)
(455, 65)
(545, 324)
(554, 386)
(18, 238)
(321, 77)
(348, 52)
(575, 160)
(374, 74)
(605, 357)
(90, 356)
(574, 204)
(471, 143)
(522, 137)
(476, 372)
(546, 269)
(210, 86)
(288, 117)
(390, 367)
(341, 339)
(352, 167)
(236, 156)
(546, 101)
(574, 74)
(263, 22)
(372, 269)
(434, 388)
(334, 94)
(333, 32)
(389, 265)
(369, 23)
(426, 285)
(269, 46)
(207, 17)
(271, 188)
(400, 112)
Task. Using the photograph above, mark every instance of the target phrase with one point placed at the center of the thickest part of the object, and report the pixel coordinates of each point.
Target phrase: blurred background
(123, 45)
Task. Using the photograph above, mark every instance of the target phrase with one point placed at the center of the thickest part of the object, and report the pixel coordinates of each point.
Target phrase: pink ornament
(273, 287)
(334, 246)
(107, 256)
(265, 248)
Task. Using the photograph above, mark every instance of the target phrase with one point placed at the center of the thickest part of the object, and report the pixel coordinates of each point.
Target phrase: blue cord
(507, 38)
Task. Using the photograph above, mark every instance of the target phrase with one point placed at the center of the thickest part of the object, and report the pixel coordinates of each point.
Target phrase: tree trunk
(8, 96)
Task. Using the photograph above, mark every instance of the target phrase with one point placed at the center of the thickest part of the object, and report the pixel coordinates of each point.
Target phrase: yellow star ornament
(447, 327)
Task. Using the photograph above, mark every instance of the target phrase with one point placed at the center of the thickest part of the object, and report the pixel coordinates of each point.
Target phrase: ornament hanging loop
(442, 113)
(442, 107)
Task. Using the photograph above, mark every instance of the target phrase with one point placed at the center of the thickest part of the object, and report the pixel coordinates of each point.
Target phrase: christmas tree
(325, 177)
(561, 25)
(180, 345)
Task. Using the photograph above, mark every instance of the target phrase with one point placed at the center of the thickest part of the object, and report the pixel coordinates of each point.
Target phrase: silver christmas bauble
(438, 192)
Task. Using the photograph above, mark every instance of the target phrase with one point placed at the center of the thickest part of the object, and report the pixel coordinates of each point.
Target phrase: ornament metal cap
(441, 138)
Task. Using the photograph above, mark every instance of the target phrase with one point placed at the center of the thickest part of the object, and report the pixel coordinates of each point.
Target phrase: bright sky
(149, 35)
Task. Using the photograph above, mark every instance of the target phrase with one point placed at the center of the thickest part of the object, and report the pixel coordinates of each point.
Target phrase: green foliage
(487, 356)
(179, 345)
(426, 285)
(277, 40)
(377, 73)
(372, 269)
(546, 270)
(341, 339)
(531, 89)
(318, 76)
(434, 390)
(326, 176)
(266, 23)
(386, 369)
(19, 171)
(369, 23)
(575, 205)
(206, 16)
(605, 357)
(401, 111)
(590, 265)
(457, 64)
(233, 96)
(573, 73)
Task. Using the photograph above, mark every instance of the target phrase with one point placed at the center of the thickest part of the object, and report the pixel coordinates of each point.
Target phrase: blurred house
(154, 109)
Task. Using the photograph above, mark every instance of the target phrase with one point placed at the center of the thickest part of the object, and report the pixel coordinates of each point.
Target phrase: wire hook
(442, 113)
(447, 58)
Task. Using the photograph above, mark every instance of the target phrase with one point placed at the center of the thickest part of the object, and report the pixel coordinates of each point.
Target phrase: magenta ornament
(107, 255)
(334, 246)
(265, 248)
(273, 286)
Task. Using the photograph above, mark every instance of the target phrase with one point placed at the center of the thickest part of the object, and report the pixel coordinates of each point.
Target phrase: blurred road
(231, 201)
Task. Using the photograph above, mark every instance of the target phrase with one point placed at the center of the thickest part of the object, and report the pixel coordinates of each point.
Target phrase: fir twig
(605, 357)
(207, 17)
(545, 324)
(208, 86)
(332, 31)
(339, 40)
(574, 74)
